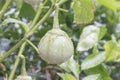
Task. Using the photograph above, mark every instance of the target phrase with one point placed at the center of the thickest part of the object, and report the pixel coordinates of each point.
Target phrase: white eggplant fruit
(55, 47)
(21, 77)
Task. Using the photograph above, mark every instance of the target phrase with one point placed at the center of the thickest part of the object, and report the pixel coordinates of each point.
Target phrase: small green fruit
(55, 47)
(23, 78)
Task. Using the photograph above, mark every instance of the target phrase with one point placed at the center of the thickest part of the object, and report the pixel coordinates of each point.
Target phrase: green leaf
(65, 66)
(71, 65)
(112, 50)
(83, 11)
(103, 31)
(101, 70)
(53, 1)
(66, 76)
(27, 11)
(88, 38)
(93, 60)
(92, 77)
(111, 4)
(19, 3)
(1, 3)
(34, 3)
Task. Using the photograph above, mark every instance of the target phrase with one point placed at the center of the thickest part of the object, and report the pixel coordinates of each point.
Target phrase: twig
(17, 61)
(4, 8)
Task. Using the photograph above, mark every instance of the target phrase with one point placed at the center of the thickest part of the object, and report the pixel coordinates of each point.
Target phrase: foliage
(92, 25)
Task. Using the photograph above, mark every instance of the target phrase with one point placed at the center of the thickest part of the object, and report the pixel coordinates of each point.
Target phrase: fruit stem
(29, 42)
(4, 8)
(56, 21)
(23, 69)
(17, 61)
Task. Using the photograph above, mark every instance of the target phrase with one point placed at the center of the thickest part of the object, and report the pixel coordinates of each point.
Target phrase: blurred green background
(11, 33)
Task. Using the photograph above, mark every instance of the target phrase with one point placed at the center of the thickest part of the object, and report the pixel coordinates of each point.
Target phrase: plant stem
(64, 10)
(23, 69)
(62, 2)
(56, 21)
(40, 22)
(37, 16)
(41, 5)
(17, 61)
(29, 42)
(4, 8)
(12, 49)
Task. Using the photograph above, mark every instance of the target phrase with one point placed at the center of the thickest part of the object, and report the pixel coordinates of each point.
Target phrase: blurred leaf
(34, 3)
(27, 11)
(112, 50)
(69, 20)
(101, 70)
(65, 66)
(19, 3)
(53, 1)
(83, 11)
(66, 76)
(88, 38)
(71, 65)
(102, 33)
(1, 3)
(111, 4)
(119, 41)
(92, 77)
(13, 35)
(93, 60)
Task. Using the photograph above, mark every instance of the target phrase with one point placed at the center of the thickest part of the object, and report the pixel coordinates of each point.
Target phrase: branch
(17, 61)
(38, 13)
(12, 49)
(29, 42)
(41, 21)
(23, 68)
(4, 8)
(62, 2)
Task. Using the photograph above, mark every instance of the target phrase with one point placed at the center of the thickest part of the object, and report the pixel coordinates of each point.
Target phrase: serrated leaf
(112, 50)
(66, 76)
(83, 11)
(92, 77)
(93, 60)
(71, 65)
(88, 38)
(107, 3)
